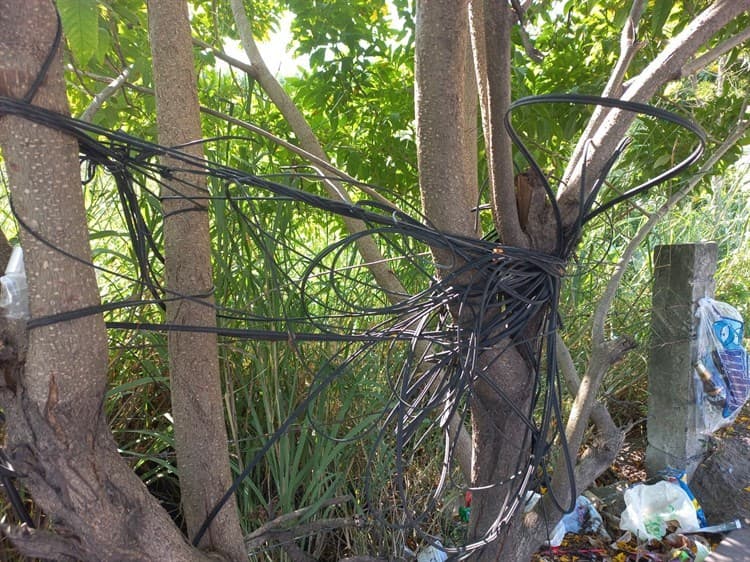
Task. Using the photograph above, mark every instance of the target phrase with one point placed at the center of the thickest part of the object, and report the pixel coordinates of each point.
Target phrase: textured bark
(57, 434)
(497, 438)
(498, 434)
(444, 176)
(500, 438)
(490, 24)
(197, 407)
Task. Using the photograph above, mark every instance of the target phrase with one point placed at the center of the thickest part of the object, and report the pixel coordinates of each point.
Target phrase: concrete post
(683, 274)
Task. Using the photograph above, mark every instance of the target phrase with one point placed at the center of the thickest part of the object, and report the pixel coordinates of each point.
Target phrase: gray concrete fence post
(683, 274)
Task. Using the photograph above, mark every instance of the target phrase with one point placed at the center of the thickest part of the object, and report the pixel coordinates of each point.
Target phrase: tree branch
(641, 89)
(712, 54)
(106, 93)
(490, 24)
(532, 52)
(249, 69)
(628, 48)
(195, 379)
(257, 536)
(447, 195)
(43, 544)
(599, 413)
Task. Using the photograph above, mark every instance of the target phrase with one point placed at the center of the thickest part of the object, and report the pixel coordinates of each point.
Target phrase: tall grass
(716, 211)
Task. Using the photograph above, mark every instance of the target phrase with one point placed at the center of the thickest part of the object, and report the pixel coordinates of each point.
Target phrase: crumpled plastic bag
(722, 376)
(432, 553)
(649, 507)
(584, 519)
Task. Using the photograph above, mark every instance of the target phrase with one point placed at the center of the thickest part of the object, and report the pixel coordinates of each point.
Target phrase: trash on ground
(584, 519)
(680, 478)
(720, 528)
(655, 510)
(432, 553)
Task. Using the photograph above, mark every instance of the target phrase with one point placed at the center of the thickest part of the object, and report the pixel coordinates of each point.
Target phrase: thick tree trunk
(500, 437)
(441, 65)
(57, 434)
(197, 407)
(501, 443)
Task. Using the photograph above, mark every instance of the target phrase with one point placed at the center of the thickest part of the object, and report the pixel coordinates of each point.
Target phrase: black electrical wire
(445, 337)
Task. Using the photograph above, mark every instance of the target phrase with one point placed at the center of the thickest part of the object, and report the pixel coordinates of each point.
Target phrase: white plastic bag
(722, 378)
(432, 553)
(648, 509)
(584, 519)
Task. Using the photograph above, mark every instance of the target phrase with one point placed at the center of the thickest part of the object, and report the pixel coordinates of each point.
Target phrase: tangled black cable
(443, 337)
(496, 297)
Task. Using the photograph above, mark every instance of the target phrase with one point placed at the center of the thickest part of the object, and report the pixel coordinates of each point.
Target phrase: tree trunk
(441, 65)
(499, 436)
(200, 430)
(57, 434)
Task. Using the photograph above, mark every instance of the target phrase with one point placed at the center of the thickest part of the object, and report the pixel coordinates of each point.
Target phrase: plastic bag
(680, 478)
(432, 553)
(722, 379)
(650, 508)
(584, 519)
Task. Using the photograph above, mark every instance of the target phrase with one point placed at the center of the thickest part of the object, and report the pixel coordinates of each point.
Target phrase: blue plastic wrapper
(722, 378)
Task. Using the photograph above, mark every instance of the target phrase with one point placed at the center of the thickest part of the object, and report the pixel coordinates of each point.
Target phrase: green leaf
(662, 8)
(661, 160)
(80, 21)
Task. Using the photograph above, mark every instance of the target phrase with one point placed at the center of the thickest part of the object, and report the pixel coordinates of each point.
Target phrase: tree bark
(200, 431)
(440, 97)
(499, 436)
(57, 434)
(490, 24)
(663, 68)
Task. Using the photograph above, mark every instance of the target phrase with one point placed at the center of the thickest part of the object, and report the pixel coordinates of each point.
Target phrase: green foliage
(357, 94)
(80, 20)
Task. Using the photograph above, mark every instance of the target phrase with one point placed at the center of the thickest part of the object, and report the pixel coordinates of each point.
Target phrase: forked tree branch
(249, 69)
(599, 413)
(642, 88)
(604, 352)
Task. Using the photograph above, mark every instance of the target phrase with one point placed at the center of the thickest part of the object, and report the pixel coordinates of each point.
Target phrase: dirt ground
(629, 469)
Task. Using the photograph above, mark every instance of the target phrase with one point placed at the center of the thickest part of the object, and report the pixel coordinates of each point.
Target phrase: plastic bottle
(14, 296)
(715, 393)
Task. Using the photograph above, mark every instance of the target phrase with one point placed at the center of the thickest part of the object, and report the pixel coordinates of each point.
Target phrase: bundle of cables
(440, 341)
